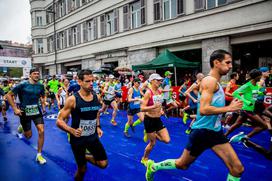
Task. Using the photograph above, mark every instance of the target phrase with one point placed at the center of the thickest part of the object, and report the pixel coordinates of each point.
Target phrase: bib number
(88, 127)
(32, 110)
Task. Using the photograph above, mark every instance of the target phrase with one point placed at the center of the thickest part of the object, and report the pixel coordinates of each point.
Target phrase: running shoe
(145, 137)
(188, 131)
(40, 159)
(20, 129)
(144, 161)
(185, 117)
(238, 138)
(105, 112)
(126, 135)
(149, 174)
(113, 122)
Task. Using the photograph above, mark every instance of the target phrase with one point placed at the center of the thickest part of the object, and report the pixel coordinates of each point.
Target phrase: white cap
(111, 76)
(155, 77)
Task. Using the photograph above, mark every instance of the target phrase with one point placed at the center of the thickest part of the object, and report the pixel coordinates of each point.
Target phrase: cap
(155, 77)
(111, 76)
(264, 69)
(34, 69)
(167, 73)
(136, 80)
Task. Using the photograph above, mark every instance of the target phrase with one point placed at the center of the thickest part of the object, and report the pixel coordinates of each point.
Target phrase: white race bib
(32, 110)
(88, 127)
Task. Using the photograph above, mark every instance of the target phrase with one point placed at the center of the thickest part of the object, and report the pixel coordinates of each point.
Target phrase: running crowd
(214, 112)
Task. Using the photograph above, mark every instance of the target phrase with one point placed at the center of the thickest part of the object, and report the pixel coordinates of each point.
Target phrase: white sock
(39, 154)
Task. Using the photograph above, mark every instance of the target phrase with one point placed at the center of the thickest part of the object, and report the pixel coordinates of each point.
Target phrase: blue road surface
(17, 156)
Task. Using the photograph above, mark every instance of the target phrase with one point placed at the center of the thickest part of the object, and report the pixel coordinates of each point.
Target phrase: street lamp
(55, 34)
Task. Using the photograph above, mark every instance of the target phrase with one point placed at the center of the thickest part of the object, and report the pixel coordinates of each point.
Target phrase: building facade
(15, 59)
(90, 33)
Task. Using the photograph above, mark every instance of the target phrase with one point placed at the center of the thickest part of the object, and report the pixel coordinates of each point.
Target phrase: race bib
(32, 110)
(254, 94)
(88, 127)
(137, 102)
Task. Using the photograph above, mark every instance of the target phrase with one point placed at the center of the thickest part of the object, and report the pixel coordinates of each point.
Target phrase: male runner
(29, 93)
(207, 130)
(85, 128)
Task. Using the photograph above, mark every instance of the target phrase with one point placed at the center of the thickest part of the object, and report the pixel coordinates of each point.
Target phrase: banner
(267, 99)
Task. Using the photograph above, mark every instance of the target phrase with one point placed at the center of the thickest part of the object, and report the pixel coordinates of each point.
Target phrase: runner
(29, 93)
(168, 91)
(109, 99)
(85, 128)
(62, 94)
(5, 105)
(134, 99)
(207, 130)
(53, 89)
(152, 106)
(249, 92)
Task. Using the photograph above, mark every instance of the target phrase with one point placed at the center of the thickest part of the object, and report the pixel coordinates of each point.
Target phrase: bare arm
(64, 114)
(43, 98)
(208, 87)
(130, 92)
(11, 101)
(189, 90)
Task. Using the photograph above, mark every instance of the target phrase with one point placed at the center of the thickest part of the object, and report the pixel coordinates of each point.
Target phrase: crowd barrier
(267, 99)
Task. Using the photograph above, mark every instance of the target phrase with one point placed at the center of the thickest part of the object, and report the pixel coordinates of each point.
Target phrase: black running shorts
(202, 139)
(26, 121)
(95, 147)
(152, 124)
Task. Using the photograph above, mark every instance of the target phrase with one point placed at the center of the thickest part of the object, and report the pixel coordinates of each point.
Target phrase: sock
(39, 154)
(137, 122)
(232, 178)
(165, 165)
(126, 127)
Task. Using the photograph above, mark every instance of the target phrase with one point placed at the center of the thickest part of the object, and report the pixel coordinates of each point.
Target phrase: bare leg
(40, 128)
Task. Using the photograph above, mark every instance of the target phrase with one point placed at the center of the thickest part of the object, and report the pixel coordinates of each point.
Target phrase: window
(102, 25)
(50, 44)
(74, 35)
(39, 45)
(157, 10)
(61, 40)
(214, 3)
(169, 9)
(135, 15)
(91, 30)
(38, 21)
(49, 15)
(61, 8)
(112, 25)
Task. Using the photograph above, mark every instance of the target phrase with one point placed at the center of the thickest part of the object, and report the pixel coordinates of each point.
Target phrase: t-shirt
(54, 85)
(29, 94)
(248, 93)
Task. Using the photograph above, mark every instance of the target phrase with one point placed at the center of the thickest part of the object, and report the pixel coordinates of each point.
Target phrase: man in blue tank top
(207, 130)
(85, 128)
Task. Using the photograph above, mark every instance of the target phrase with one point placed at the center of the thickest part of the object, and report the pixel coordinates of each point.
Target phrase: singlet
(84, 116)
(211, 122)
(118, 87)
(233, 87)
(63, 96)
(135, 104)
(166, 87)
(110, 95)
(155, 98)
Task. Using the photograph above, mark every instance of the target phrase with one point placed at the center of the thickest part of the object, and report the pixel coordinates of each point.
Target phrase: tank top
(84, 117)
(212, 122)
(110, 95)
(62, 96)
(155, 98)
(233, 87)
(135, 104)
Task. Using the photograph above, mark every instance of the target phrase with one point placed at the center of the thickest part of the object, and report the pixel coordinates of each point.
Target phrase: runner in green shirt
(248, 93)
(53, 89)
